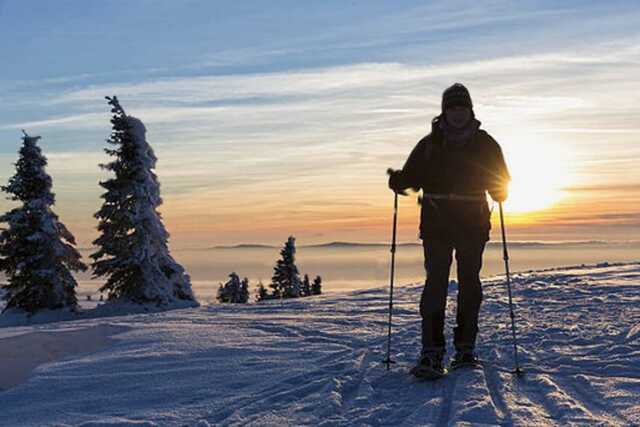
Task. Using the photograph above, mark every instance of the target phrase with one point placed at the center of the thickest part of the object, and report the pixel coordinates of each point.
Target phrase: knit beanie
(456, 95)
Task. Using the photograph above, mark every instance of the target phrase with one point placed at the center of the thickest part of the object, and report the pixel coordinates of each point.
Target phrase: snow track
(318, 361)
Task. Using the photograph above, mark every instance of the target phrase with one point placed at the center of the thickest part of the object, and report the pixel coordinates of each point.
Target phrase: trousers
(438, 255)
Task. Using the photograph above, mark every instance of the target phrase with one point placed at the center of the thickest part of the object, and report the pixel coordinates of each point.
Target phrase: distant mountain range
(363, 245)
(334, 245)
(354, 245)
(242, 246)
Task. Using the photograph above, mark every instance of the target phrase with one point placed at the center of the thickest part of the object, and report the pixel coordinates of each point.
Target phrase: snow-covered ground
(317, 361)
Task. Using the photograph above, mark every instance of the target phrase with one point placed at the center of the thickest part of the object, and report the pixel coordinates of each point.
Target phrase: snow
(87, 310)
(22, 353)
(317, 361)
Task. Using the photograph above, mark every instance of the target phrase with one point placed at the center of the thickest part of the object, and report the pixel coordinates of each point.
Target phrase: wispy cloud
(627, 187)
(71, 122)
(359, 95)
(328, 80)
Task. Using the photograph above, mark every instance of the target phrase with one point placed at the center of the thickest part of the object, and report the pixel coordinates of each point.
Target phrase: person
(454, 165)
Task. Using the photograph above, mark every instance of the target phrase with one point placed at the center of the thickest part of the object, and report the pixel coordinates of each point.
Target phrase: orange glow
(539, 172)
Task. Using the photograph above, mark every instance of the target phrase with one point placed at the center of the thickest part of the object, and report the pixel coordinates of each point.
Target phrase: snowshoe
(464, 359)
(429, 367)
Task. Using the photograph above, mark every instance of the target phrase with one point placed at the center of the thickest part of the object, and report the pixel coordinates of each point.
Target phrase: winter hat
(456, 95)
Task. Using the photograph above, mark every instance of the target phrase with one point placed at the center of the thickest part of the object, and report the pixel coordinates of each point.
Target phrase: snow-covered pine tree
(243, 296)
(37, 253)
(232, 290)
(261, 292)
(306, 286)
(316, 286)
(133, 252)
(285, 281)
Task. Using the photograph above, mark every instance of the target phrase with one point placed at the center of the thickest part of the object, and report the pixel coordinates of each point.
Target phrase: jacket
(471, 170)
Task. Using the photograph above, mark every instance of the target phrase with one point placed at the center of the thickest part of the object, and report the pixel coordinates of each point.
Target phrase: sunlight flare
(539, 171)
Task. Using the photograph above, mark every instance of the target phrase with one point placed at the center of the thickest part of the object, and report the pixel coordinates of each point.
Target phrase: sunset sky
(278, 118)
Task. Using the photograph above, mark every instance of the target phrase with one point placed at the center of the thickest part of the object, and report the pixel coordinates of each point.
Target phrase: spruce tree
(243, 296)
(261, 292)
(133, 253)
(37, 253)
(316, 287)
(285, 281)
(306, 286)
(234, 291)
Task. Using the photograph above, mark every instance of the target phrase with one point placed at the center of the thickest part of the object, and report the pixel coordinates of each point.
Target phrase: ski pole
(517, 371)
(388, 360)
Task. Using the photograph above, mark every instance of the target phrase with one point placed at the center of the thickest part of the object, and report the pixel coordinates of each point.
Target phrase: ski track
(318, 361)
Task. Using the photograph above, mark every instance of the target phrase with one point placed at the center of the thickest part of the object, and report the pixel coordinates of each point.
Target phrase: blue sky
(281, 117)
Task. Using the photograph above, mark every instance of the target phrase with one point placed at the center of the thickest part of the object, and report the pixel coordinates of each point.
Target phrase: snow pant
(437, 262)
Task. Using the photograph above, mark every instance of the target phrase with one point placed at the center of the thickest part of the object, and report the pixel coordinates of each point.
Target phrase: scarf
(458, 138)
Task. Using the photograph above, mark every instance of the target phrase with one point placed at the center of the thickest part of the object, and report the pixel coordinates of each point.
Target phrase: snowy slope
(317, 361)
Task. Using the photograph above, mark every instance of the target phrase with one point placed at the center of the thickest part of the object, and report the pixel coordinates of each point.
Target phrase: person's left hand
(500, 195)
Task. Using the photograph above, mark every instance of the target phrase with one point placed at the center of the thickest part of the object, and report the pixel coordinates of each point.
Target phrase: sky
(278, 118)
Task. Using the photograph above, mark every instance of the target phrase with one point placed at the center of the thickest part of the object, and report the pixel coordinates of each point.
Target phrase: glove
(500, 195)
(395, 181)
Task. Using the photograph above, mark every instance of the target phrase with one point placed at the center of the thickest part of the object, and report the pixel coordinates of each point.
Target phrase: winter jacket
(472, 169)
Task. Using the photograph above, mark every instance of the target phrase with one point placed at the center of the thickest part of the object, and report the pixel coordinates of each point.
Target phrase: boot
(429, 366)
(464, 358)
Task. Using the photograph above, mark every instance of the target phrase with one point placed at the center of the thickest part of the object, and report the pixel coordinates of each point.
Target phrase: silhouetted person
(454, 166)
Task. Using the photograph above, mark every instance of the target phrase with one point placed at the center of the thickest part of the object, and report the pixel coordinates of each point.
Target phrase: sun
(538, 174)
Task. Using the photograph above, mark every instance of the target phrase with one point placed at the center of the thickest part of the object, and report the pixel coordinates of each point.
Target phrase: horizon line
(337, 244)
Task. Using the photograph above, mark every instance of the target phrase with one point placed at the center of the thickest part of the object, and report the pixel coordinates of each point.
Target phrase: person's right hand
(395, 180)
